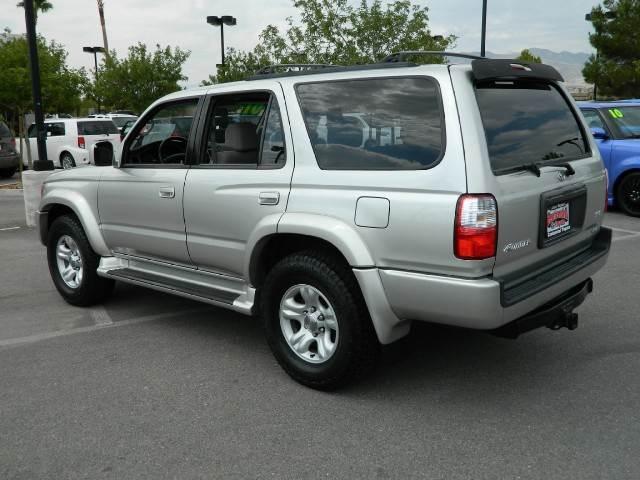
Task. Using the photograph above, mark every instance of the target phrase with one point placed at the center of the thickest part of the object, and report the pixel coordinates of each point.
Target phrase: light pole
(609, 14)
(221, 22)
(95, 51)
(483, 35)
(43, 163)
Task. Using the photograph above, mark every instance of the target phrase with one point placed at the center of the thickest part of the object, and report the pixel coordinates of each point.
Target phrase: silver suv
(343, 204)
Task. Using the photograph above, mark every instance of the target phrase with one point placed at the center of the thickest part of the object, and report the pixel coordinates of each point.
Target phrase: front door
(594, 120)
(240, 184)
(140, 204)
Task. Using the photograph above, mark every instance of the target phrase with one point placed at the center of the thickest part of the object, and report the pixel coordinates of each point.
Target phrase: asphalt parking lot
(152, 386)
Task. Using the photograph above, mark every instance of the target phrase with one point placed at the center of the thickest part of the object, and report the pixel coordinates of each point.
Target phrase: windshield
(626, 120)
(528, 122)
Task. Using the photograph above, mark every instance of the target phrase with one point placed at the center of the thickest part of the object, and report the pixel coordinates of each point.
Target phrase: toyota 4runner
(341, 204)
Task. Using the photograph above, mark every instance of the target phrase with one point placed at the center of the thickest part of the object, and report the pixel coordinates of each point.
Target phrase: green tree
(527, 56)
(616, 68)
(38, 6)
(137, 80)
(60, 84)
(337, 32)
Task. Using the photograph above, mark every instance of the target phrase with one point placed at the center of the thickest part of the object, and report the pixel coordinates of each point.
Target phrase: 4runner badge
(510, 247)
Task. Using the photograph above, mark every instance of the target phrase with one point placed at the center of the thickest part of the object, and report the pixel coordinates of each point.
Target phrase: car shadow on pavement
(429, 357)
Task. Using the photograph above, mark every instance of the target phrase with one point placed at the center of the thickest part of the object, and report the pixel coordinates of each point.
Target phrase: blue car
(616, 129)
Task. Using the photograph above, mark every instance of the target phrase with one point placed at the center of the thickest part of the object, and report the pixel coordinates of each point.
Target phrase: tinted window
(95, 127)
(121, 121)
(4, 130)
(162, 138)
(55, 129)
(528, 122)
(374, 124)
(236, 123)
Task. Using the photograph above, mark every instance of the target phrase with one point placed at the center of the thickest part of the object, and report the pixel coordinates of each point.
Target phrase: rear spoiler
(505, 69)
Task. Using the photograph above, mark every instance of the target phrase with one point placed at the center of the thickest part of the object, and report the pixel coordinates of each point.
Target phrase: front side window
(593, 119)
(374, 124)
(244, 130)
(55, 129)
(162, 139)
(528, 122)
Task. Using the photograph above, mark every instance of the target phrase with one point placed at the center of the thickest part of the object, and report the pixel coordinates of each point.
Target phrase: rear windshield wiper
(536, 166)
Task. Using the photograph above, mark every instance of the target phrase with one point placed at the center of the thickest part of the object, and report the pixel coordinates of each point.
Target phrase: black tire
(7, 172)
(357, 349)
(628, 194)
(67, 158)
(92, 289)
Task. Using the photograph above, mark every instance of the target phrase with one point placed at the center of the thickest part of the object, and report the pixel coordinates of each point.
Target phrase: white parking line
(5, 229)
(100, 316)
(12, 342)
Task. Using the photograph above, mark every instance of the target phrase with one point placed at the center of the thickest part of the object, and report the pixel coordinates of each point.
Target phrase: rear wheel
(73, 264)
(316, 321)
(628, 194)
(7, 172)
(67, 161)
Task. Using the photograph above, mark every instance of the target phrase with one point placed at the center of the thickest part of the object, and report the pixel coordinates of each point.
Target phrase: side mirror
(599, 133)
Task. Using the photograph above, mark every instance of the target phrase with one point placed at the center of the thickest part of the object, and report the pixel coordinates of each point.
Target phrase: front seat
(241, 145)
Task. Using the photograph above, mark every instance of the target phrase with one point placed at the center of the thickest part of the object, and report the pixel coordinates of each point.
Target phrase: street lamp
(95, 51)
(221, 22)
(483, 35)
(609, 15)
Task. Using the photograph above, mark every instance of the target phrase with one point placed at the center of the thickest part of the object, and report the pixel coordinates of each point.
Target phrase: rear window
(95, 127)
(4, 130)
(528, 122)
(374, 124)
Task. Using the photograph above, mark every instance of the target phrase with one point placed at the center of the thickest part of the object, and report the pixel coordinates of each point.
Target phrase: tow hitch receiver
(555, 315)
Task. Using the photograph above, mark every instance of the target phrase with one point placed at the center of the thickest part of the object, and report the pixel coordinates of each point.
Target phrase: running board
(208, 294)
(215, 289)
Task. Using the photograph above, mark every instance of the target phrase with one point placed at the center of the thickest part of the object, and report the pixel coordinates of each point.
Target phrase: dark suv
(9, 158)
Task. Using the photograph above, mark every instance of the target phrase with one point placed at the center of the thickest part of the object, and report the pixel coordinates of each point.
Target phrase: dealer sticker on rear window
(558, 219)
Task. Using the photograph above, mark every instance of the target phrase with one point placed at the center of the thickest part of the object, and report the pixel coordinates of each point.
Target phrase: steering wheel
(175, 143)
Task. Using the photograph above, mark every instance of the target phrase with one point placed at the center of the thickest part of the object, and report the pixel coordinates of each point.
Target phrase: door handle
(167, 192)
(269, 198)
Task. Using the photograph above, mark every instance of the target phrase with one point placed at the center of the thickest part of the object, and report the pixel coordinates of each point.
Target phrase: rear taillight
(81, 142)
(476, 227)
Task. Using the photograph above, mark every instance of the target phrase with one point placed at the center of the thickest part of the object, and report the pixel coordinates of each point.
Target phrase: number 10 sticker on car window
(616, 113)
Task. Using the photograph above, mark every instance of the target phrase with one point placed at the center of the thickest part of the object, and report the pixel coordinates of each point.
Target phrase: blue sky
(512, 25)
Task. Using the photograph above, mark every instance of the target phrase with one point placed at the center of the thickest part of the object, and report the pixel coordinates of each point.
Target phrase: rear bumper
(478, 303)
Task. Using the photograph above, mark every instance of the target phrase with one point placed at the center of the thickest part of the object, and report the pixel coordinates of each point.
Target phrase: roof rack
(271, 69)
(269, 72)
(401, 56)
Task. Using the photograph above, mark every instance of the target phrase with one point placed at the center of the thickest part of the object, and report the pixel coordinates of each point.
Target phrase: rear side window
(528, 122)
(374, 124)
(93, 127)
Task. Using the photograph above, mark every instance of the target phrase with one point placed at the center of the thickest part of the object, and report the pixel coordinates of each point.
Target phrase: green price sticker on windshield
(616, 113)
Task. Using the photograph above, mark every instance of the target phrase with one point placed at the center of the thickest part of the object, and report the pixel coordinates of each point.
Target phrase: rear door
(544, 215)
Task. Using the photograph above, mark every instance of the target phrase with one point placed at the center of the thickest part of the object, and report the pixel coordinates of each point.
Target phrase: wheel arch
(75, 204)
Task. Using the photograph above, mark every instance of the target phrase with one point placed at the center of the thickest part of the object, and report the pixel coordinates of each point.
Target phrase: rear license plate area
(562, 214)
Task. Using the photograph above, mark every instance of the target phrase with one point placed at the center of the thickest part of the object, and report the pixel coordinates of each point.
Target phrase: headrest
(241, 137)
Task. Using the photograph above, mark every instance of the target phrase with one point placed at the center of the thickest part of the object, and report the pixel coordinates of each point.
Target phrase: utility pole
(104, 28)
(43, 163)
(221, 22)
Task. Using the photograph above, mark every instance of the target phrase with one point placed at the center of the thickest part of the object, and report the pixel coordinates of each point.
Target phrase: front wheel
(73, 264)
(628, 194)
(316, 321)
